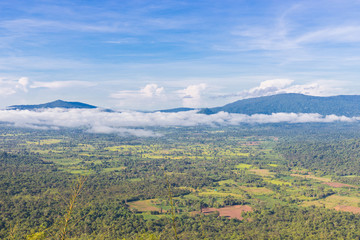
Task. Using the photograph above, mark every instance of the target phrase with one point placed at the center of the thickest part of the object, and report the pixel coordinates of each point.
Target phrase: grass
(44, 142)
(149, 216)
(333, 201)
(321, 179)
(277, 182)
(142, 152)
(190, 196)
(229, 181)
(66, 161)
(351, 176)
(144, 205)
(187, 188)
(262, 172)
(113, 169)
(219, 194)
(243, 166)
(257, 190)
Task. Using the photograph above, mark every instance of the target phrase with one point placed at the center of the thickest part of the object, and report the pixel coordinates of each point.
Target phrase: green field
(145, 180)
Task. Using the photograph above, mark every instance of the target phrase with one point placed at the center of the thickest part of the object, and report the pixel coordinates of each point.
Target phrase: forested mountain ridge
(54, 104)
(342, 105)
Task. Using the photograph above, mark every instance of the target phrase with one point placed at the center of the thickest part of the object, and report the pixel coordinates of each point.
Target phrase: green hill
(343, 105)
(55, 104)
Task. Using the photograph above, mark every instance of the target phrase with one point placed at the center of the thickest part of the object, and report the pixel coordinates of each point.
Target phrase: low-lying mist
(128, 123)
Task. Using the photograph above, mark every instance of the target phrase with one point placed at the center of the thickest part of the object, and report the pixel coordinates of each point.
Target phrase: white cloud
(152, 95)
(133, 123)
(343, 34)
(191, 96)
(33, 25)
(278, 86)
(149, 91)
(23, 83)
(314, 89)
(123, 131)
(124, 41)
(11, 86)
(6, 91)
(270, 86)
(61, 84)
(285, 31)
(146, 98)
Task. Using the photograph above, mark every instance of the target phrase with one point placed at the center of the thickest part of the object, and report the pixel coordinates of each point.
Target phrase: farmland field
(220, 181)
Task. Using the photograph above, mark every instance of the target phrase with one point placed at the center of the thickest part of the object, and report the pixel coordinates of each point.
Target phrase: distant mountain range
(55, 104)
(343, 105)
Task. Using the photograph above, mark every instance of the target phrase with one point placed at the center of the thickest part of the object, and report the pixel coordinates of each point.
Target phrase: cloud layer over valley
(133, 123)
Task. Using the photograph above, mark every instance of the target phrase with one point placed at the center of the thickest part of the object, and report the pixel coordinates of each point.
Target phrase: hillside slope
(347, 105)
(55, 104)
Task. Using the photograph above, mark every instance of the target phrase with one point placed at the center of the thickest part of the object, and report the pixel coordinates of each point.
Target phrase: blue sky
(160, 54)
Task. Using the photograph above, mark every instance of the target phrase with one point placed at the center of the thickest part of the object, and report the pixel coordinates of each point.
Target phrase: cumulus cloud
(200, 95)
(191, 96)
(133, 123)
(278, 86)
(149, 91)
(23, 83)
(270, 86)
(153, 95)
(147, 97)
(12, 86)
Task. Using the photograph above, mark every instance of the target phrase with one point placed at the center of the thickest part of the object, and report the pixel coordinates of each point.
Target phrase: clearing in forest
(321, 179)
(230, 212)
(143, 206)
(243, 166)
(45, 142)
(262, 172)
(338, 185)
(348, 209)
(256, 190)
(341, 203)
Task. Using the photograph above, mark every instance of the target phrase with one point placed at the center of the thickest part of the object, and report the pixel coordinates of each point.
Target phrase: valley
(222, 182)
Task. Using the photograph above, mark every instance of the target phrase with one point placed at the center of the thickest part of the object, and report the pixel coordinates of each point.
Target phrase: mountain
(175, 110)
(343, 105)
(55, 104)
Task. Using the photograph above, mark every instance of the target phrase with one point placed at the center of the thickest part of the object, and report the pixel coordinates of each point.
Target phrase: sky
(149, 55)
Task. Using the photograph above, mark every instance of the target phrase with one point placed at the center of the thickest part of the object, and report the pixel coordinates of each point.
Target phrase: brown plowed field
(231, 211)
(348, 209)
(338, 185)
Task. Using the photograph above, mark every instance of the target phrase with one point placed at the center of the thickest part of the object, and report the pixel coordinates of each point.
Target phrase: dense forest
(340, 158)
(278, 182)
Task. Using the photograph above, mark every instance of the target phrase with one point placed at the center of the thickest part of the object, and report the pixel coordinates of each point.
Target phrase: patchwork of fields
(228, 176)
